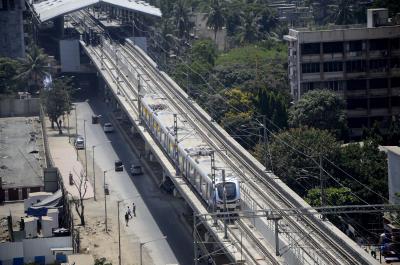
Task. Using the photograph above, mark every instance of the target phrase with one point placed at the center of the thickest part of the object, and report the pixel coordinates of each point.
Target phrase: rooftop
(21, 146)
(50, 9)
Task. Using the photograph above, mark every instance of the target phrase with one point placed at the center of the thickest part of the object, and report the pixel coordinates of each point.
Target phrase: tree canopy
(9, 71)
(322, 109)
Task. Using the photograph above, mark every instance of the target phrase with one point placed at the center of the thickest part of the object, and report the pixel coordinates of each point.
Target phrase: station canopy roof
(50, 9)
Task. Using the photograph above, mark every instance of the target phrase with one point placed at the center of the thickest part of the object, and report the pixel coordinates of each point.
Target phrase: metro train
(192, 156)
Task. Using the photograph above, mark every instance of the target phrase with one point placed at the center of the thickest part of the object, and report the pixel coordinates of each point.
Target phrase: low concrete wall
(10, 107)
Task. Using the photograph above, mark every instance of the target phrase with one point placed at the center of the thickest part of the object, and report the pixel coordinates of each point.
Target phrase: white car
(80, 142)
(108, 127)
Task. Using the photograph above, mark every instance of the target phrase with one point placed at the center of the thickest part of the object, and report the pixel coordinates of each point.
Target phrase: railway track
(254, 178)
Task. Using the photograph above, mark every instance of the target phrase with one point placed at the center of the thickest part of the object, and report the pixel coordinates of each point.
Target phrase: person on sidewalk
(133, 209)
(129, 212)
(126, 218)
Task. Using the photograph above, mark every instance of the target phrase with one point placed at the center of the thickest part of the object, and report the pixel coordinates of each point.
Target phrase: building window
(378, 83)
(3, 4)
(379, 103)
(356, 66)
(355, 46)
(395, 62)
(333, 47)
(310, 48)
(333, 67)
(378, 44)
(395, 101)
(336, 85)
(310, 68)
(358, 122)
(395, 44)
(357, 84)
(357, 103)
(395, 82)
(378, 65)
(12, 4)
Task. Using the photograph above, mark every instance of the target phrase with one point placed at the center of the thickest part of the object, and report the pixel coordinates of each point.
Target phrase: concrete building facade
(362, 63)
(12, 42)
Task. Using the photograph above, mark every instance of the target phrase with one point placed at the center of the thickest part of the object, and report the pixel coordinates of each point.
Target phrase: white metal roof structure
(50, 9)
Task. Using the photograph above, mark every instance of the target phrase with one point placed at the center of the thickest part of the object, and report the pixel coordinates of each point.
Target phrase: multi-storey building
(360, 62)
(12, 43)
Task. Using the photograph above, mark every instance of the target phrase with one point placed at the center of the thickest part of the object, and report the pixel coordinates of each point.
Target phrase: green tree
(249, 28)
(216, 16)
(321, 109)
(181, 15)
(35, 67)
(392, 5)
(204, 51)
(9, 70)
(57, 101)
(344, 14)
(295, 156)
(334, 197)
(367, 166)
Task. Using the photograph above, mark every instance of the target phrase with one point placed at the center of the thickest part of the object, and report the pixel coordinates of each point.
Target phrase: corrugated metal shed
(50, 9)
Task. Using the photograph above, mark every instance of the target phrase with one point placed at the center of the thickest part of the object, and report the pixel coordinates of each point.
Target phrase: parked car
(80, 142)
(136, 170)
(118, 165)
(108, 127)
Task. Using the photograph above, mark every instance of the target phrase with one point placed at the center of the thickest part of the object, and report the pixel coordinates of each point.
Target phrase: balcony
(378, 92)
(332, 75)
(356, 75)
(379, 112)
(353, 113)
(310, 58)
(311, 77)
(332, 56)
(355, 55)
(356, 93)
(380, 54)
(395, 91)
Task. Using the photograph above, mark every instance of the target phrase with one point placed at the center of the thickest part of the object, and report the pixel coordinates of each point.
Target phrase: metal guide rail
(126, 69)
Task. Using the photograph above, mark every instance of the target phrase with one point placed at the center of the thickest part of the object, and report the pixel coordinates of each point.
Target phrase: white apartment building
(361, 62)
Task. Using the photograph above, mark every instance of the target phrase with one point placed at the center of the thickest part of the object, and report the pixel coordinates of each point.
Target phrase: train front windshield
(230, 188)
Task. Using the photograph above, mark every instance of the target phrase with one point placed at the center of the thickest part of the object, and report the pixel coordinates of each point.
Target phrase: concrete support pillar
(20, 196)
(6, 197)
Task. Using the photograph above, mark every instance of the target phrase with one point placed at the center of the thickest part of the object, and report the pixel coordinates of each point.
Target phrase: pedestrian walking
(134, 209)
(126, 218)
(129, 212)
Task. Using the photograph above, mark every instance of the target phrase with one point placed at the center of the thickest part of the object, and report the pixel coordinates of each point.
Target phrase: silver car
(80, 142)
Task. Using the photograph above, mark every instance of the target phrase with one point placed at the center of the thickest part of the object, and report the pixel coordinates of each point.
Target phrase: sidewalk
(64, 157)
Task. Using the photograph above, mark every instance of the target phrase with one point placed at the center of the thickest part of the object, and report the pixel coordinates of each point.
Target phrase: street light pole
(143, 243)
(94, 176)
(105, 200)
(119, 237)
(84, 133)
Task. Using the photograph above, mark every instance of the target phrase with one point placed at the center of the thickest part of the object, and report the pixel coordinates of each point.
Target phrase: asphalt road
(157, 212)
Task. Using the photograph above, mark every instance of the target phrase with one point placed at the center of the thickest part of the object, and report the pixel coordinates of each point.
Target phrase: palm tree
(344, 14)
(216, 17)
(35, 67)
(182, 15)
(249, 28)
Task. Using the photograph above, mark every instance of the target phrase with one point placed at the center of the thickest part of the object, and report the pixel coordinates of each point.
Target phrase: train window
(197, 179)
(191, 170)
(204, 187)
(230, 188)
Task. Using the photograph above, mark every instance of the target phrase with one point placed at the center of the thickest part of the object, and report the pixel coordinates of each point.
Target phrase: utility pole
(213, 184)
(105, 200)
(322, 182)
(119, 237)
(195, 239)
(84, 132)
(276, 219)
(94, 175)
(266, 145)
(139, 98)
(225, 208)
(176, 144)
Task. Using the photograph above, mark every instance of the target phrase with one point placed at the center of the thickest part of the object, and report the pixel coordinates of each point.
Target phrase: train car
(191, 154)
